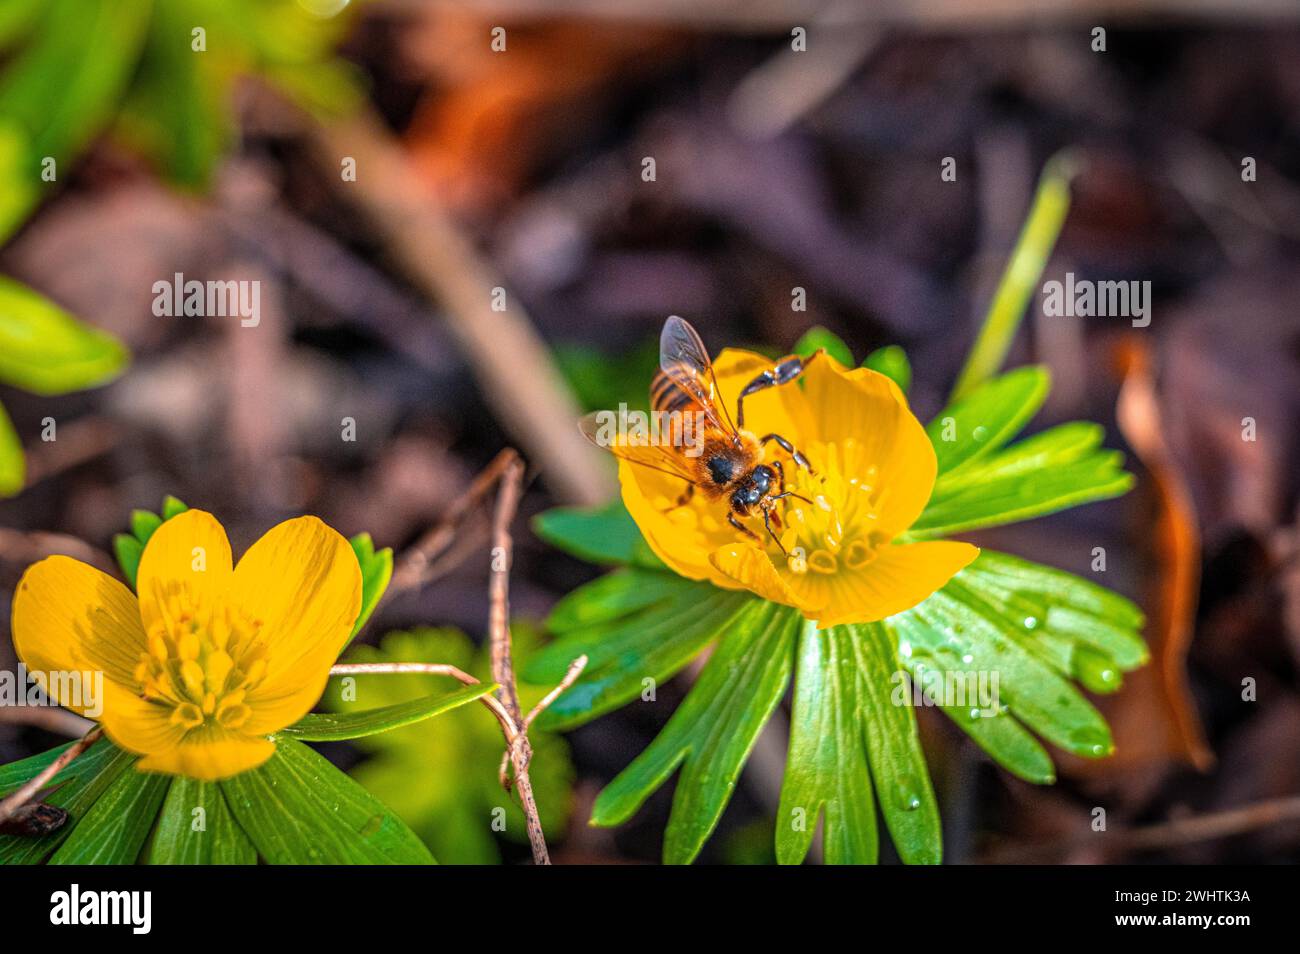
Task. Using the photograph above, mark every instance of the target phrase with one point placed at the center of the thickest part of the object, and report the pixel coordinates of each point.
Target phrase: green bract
(853, 745)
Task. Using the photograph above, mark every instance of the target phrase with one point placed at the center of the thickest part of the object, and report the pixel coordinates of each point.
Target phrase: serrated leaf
(376, 572)
(612, 596)
(297, 808)
(654, 643)
(604, 535)
(13, 466)
(712, 732)
(819, 337)
(988, 417)
(1009, 743)
(78, 786)
(1009, 499)
(337, 726)
(177, 840)
(114, 830)
(827, 765)
(894, 750)
(957, 630)
(45, 350)
(891, 361)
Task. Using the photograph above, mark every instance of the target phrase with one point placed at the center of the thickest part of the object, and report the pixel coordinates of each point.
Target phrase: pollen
(837, 529)
(202, 666)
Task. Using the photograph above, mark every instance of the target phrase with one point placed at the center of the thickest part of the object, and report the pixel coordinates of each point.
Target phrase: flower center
(202, 665)
(840, 528)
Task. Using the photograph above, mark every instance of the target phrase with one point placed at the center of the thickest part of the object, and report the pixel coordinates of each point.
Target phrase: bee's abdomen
(667, 395)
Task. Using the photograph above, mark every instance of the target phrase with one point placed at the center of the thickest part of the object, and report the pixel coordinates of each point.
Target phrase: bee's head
(754, 489)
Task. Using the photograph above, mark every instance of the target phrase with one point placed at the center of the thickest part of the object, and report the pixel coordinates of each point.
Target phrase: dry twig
(25, 794)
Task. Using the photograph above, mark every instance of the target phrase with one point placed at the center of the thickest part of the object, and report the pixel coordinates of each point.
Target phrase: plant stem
(1020, 277)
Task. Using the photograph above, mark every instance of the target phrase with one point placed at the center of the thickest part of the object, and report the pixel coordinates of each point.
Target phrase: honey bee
(728, 460)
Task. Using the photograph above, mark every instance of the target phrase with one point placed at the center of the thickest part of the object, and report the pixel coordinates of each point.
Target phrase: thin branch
(1180, 831)
(413, 566)
(49, 718)
(570, 677)
(21, 797)
(503, 671)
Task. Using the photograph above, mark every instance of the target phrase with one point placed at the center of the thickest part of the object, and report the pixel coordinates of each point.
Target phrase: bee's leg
(789, 449)
(780, 476)
(767, 522)
(782, 373)
(731, 519)
(791, 493)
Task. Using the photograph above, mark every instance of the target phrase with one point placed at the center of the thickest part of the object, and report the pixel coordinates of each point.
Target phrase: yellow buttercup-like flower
(874, 471)
(211, 659)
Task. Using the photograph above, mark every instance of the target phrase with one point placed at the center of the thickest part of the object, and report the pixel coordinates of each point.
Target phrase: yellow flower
(874, 471)
(210, 660)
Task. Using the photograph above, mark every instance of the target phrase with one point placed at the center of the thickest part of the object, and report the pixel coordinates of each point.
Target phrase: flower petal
(185, 568)
(209, 759)
(69, 617)
(898, 578)
(868, 408)
(753, 570)
(303, 582)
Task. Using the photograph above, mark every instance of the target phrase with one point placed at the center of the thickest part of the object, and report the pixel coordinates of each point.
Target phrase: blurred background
(498, 152)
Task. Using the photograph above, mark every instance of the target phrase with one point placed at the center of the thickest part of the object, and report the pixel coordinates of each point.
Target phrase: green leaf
(652, 643)
(376, 572)
(1021, 276)
(115, 828)
(894, 750)
(712, 732)
(128, 548)
(78, 786)
(172, 507)
(957, 630)
(335, 726)
(18, 174)
(45, 350)
(128, 551)
(144, 523)
(1013, 497)
(297, 808)
(612, 596)
(827, 765)
(64, 85)
(178, 107)
(891, 361)
(995, 731)
(186, 836)
(819, 337)
(988, 417)
(605, 535)
(13, 467)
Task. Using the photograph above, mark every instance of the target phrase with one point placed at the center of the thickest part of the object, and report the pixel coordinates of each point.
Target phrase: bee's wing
(685, 363)
(665, 459)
